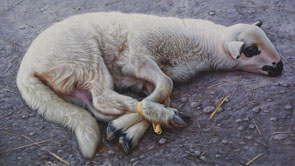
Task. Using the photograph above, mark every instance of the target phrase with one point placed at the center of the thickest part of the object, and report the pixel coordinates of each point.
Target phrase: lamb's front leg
(152, 111)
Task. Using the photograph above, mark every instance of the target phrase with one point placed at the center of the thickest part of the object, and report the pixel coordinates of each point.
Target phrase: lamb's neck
(210, 46)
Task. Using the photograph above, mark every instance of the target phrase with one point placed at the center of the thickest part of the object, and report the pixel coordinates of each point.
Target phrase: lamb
(85, 57)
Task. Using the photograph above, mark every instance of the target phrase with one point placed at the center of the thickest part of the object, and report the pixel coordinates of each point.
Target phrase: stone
(280, 136)
(238, 120)
(217, 155)
(25, 116)
(224, 141)
(288, 106)
(197, 153)
(194, 104)
(183, 99)
(208, 109)
(31, 133)
(269, 99)
(203, 158)
(162, 141)
(252, 126)
(241, 128)
(273, 119)
(256, 109)
(212, 13)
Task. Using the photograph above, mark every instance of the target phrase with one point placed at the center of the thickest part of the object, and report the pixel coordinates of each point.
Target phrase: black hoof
(177, 121)
(113, 132)
(184, 115)
(126, 143)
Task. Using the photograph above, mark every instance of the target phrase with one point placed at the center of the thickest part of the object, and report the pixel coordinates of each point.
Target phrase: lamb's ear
(234, 47)
(258, 23)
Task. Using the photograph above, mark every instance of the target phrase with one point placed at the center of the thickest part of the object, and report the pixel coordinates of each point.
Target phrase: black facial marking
(259, 23)
(250, 51)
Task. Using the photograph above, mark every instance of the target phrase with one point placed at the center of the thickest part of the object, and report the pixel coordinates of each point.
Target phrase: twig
(54, 155)
(280, 36)
(7, 90)
(13, 42)
(257, 127)
(35, 143)
(217, 108)
(256, 88)
(265, 7)
(111, 3)
(291, 65)
(14, 5)
(255, 158)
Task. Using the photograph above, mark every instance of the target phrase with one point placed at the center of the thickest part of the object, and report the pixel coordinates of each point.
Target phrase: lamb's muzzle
(275, 70)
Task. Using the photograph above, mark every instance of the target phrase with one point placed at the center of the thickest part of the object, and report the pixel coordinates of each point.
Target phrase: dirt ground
(256, 125)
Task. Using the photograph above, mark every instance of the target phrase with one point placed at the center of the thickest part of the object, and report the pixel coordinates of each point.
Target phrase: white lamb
(91, 54)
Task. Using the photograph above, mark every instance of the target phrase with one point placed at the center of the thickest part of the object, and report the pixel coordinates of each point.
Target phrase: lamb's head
(251, 50)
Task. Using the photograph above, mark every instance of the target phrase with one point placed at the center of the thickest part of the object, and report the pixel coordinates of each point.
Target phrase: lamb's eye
(251, 51)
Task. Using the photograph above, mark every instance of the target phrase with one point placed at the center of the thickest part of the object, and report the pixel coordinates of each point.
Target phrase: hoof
(126, 143)
(113, 132)
(177, 121)
(184, 115)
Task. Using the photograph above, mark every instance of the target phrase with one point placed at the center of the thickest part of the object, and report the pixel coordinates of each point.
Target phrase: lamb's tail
(40, 97)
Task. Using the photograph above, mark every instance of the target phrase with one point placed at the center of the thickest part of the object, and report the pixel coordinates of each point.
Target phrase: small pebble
(266, 111)
(162, 141)
(133, 159)
(198, 108)
(208, 109)
(252, 126)
(246, 118)
(31, 115)
(197, 153)
(217, 155)
(194, 104)
(240, 128)
(273, 119)
(280, 136)
(224, 141)
(203, 158)
(19, 158)
(248, 137)
(269, 99)
(25, 116)
(111, 152)
(183, 99)
(212, 13)
(285, 84)
(276, 84)
(22, 27)
(256, 109)
(282, 91)
(31, 134)
(142, 156)
(288, 107)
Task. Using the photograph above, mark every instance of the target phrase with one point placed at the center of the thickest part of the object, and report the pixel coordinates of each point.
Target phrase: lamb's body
(97, 51)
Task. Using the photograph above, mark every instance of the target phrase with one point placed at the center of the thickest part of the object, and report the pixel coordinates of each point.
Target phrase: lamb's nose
(274, 70)
(279, 66)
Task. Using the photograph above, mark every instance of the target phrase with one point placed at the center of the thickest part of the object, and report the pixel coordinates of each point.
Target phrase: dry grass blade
(257, 127)
(281, 36)
(51, 153)
(35, 143)
(255, 158)
(218, 106)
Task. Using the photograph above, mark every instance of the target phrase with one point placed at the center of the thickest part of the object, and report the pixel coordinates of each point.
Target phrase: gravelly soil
(257, 119)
